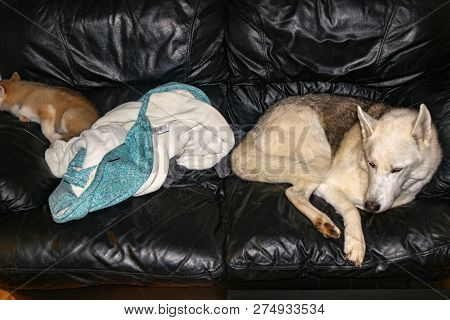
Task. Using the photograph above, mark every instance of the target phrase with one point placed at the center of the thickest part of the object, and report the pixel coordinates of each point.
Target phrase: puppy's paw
(354, 249)
(327, 228)
(23, 119)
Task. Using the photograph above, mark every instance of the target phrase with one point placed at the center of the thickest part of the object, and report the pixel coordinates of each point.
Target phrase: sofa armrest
(25, 179)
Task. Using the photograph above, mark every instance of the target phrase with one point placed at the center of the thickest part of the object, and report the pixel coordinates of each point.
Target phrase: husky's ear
(422, 127)
(2, 93)
(367, 123)
(15, 77)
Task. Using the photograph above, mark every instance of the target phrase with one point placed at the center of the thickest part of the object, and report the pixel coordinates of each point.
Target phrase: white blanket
(187, 129)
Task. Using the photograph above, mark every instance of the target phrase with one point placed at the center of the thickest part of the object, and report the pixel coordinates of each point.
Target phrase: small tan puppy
(62, 113)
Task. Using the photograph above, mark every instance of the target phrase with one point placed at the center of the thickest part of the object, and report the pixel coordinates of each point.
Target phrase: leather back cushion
(105, 43)
(391, 50)
(378, 42)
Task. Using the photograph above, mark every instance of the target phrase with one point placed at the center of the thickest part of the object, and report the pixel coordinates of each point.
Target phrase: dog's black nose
(372, 206)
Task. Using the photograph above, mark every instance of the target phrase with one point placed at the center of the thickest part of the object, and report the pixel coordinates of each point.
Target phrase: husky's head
(400, 152)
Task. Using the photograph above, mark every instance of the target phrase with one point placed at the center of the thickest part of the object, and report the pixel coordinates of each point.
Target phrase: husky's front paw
(327, 228)
(354, 249)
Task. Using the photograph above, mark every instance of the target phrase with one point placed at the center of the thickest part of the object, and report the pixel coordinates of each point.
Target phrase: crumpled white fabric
(189, 130)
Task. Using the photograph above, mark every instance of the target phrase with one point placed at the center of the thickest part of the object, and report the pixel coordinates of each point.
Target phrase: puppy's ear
(2, 92)
(15, 77)
(367, 123)
(422, 127)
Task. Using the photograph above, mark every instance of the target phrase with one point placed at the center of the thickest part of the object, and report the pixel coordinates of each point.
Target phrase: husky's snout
(371, 206)
(381, 192)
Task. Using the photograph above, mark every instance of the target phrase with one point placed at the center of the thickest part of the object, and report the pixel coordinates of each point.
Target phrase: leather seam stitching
(191, 40)
(17, 240)
(216, 271)
(71, 63)
(386, 33)
(258, 21)
(388, 261)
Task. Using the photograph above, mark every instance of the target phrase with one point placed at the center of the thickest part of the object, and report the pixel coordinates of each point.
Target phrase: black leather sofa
(205, 231)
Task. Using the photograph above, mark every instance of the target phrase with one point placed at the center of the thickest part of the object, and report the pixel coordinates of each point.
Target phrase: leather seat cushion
(270, 239)
(173, 236)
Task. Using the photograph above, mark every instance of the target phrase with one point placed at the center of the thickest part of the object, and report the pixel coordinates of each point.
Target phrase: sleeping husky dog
(317, 144)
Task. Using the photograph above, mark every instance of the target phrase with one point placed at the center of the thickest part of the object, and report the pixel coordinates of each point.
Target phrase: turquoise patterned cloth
(121, 172)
